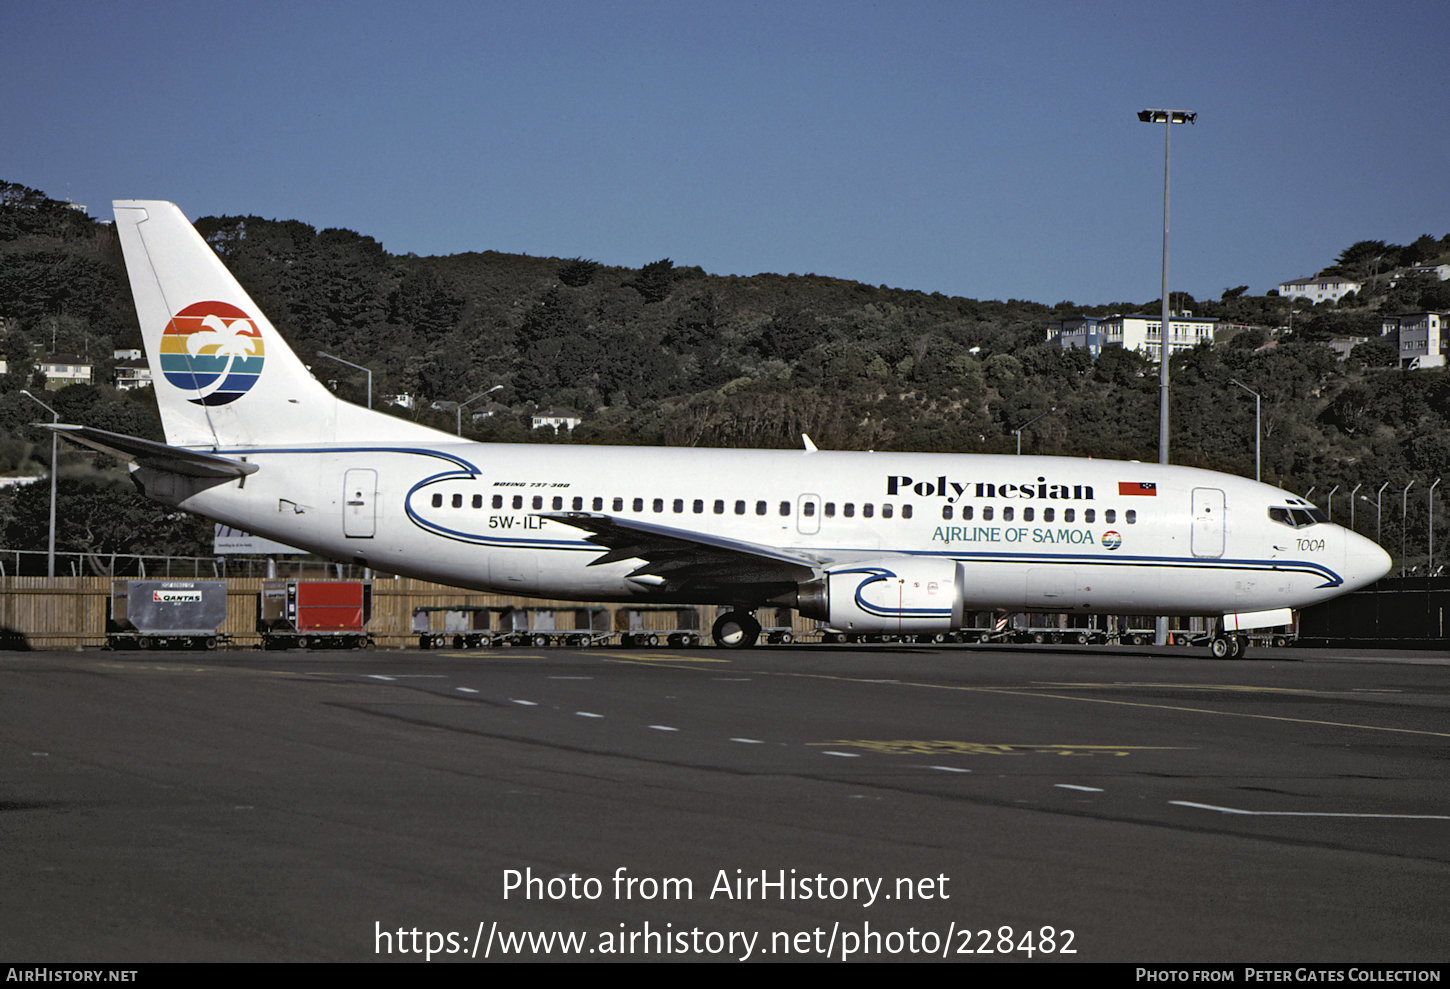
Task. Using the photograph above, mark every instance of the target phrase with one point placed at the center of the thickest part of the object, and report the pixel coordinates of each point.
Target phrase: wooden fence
(71, 612)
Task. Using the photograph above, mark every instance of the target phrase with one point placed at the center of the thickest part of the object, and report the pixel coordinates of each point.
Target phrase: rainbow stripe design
(212, 349)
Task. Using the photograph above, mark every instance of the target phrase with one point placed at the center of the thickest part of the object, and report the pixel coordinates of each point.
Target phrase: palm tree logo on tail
(212, 350)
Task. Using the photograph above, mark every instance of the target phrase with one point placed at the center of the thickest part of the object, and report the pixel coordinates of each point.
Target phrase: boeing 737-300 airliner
(868, 542)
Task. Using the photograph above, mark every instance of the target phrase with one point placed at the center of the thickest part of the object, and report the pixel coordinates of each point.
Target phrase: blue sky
(988, 150)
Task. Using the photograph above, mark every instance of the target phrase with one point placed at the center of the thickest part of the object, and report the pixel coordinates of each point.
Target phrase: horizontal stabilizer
(157, 456)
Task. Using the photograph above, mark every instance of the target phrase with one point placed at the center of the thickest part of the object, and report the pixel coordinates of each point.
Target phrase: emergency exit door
(1208, 522)
(359, 503)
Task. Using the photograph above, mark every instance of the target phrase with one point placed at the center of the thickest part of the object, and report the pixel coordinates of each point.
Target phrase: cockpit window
(1297, 518)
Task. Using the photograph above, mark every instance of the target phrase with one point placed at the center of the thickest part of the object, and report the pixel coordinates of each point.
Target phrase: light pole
(1258, 424)
(1330, 499)
(1018, 431)
(54, 436)
(1430, 529)
(1167, 118)
(1377, 510)
(459, 409)
(1404, 507)
(1353, 491)
(359, 367)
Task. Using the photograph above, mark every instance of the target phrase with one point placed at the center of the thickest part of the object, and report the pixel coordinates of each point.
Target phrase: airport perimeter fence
(35, 563)
(1404, 612)
(71, 612)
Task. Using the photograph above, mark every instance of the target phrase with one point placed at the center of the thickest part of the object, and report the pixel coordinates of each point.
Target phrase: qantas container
(159, 614)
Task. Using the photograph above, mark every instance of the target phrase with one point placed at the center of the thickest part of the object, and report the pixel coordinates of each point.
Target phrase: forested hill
(668, 354)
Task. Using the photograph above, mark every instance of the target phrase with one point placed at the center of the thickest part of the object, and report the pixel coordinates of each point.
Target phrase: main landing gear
(1227, 646)
(735, 630)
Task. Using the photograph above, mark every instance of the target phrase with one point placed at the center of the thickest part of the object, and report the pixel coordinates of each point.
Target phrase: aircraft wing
(685, 554)
(149, 453)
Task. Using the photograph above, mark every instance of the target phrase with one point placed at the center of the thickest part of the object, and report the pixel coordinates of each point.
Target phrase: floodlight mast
(1167, 118)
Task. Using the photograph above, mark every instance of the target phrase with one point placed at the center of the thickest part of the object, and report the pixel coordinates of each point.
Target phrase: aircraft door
(359, 503)
(1208, 522)
(808, 514)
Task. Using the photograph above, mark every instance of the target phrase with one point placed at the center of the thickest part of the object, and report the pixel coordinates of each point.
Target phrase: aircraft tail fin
(223, 375)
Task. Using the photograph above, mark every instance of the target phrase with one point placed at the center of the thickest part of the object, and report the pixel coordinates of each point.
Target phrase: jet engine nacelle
(900, 594)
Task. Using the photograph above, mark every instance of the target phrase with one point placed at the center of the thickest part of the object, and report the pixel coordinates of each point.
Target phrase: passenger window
(677, 506)
(1088, 515)
(538, 502)
(785, 508)
(849, 509)
(578, 504)
(1110, 516)
(867, 510)
(458, 501)
(618, 504)
(438, 501)
(740, 507)
(1027, 515)
(986, 513)
(639, 504)
(658, 504)
(1048, 514)
(830, 509)
(1131, 516)
(498, 501)
(719, 506)
(809, 509)
(518, 501)
(558, 502)
(1068, 514)
(906, 511)
(598, 504)
(966, 513)
(697, 506)
(478, 501)
(886, 511)
(761, 508)
(946, 513)
(1008, 514)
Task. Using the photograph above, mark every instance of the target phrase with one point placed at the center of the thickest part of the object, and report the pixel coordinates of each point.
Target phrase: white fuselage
(1030, 533)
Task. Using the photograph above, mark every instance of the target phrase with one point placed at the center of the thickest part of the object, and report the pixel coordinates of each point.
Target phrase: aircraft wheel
(735, 630)
(1220, 647)
(1237, 645)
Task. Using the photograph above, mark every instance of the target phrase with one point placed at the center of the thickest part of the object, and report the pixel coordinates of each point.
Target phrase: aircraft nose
(1364, 561)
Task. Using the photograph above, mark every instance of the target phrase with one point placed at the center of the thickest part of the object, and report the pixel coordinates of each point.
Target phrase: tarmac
(882, 802)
